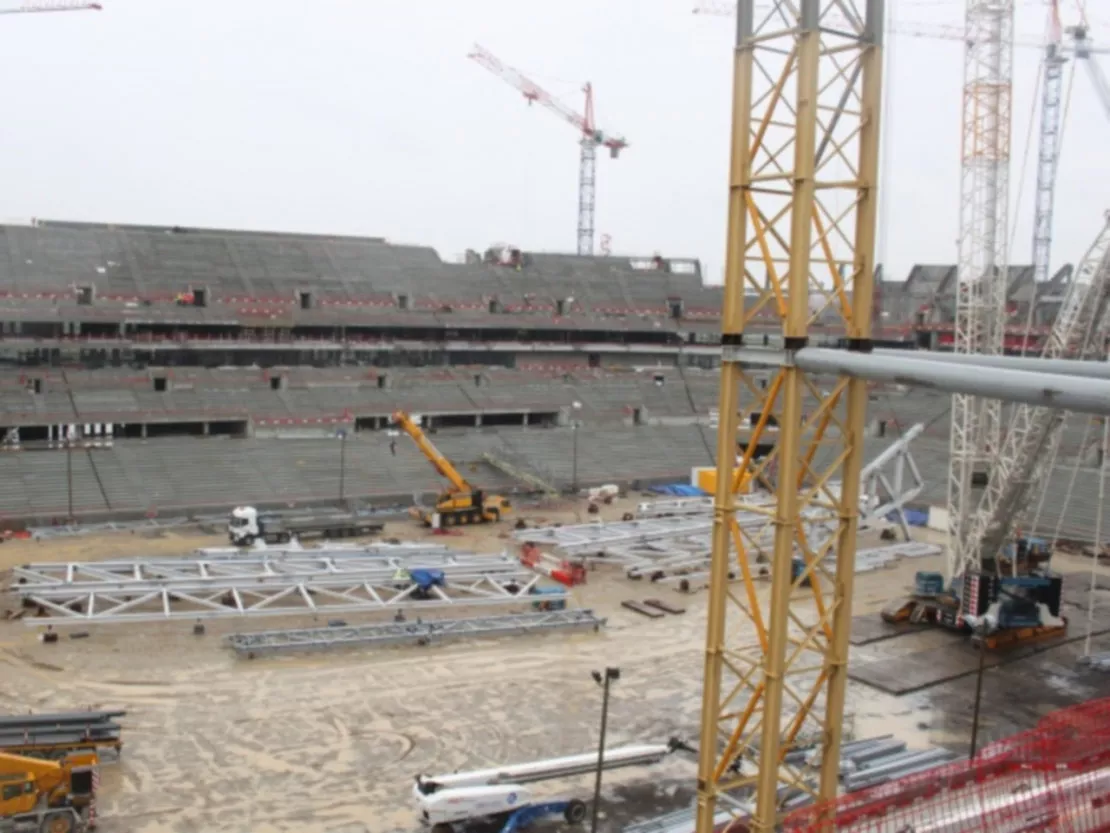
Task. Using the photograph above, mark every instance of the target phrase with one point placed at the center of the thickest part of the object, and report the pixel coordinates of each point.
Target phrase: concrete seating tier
(264, 274)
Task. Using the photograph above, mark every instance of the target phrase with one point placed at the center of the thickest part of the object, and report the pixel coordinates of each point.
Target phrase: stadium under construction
(820, 548)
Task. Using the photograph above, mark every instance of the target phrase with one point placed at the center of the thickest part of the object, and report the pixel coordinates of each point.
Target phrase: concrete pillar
(477, 420)
(206, 428)
(142, 431)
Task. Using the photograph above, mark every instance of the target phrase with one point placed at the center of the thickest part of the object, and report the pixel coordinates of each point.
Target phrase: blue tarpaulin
(914, 517)
(678, 490)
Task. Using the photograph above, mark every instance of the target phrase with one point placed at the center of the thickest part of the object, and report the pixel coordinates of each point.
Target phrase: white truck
(500, 794)
(247, 525)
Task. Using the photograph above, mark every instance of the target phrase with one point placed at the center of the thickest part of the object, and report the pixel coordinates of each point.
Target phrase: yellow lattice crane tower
(801, 240)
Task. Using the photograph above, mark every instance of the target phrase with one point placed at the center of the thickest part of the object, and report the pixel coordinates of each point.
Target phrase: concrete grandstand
(223, 362)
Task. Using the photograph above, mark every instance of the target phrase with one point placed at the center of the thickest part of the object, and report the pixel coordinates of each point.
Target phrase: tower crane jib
(54, 6)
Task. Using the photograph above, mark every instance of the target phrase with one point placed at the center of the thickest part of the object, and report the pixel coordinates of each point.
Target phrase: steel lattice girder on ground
(254, 568)
(142, 602)
(392, 633)
(638, 543)
(601, 537)
(873, 558)
(348, 550)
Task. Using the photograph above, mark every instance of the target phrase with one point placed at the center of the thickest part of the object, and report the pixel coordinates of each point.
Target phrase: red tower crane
(591, 137)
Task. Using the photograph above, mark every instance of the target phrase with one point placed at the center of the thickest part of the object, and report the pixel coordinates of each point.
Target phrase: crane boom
(440, 463)
(1079, 332)
(1048, 146)
(54, 6)
(832, 20)
(534, 92)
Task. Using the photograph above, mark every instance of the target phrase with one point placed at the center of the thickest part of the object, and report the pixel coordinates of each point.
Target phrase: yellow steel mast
(801, 239)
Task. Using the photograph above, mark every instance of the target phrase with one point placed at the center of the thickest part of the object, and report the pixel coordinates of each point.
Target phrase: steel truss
(257, 568)
(674, 506)
(1028, 448)
(873, 558)
(253, 591)
(645, 548)
(400, 550)
(982, 271)
(267, 643)
(802, 205)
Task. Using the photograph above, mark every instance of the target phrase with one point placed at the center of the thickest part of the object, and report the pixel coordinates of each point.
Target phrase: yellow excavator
(461, 503)
(38, 796)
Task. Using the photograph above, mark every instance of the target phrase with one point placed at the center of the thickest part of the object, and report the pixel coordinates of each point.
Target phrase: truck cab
(243, 526)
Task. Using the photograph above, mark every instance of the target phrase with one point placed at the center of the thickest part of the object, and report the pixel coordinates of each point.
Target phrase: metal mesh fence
(1055, 777)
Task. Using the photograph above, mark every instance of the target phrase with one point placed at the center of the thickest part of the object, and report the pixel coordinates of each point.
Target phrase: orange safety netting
(1054, 778)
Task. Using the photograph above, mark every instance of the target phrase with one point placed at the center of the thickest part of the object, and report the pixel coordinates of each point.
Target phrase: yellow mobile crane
(460, 504)
(40, 796)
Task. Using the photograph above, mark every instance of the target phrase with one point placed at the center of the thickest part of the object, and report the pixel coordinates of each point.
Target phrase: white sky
(365, 117)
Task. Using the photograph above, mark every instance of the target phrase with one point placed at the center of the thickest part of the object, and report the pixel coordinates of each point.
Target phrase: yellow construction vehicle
(38, 796)
(461, 503)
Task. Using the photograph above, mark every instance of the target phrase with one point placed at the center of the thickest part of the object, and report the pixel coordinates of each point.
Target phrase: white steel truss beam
(265, 643)
(873, 558)
(304, 565)
(322, 597)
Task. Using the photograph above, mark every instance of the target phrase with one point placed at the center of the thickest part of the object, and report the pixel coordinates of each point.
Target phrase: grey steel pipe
(1063, 367)
(897, 766)
(1049, 390)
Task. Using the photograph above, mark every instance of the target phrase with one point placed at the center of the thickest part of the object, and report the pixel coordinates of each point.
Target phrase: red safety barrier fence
(1054, 778)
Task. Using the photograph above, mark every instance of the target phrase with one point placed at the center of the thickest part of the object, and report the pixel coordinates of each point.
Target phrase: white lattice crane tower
(1048, 146)
(982, 270)
(1079, 332)
(590, 137)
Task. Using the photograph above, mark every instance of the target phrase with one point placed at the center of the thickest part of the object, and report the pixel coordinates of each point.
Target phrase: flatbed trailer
(247, 525)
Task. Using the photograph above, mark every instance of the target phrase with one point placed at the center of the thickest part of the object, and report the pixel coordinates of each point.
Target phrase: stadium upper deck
(96, 294)
(242, 297)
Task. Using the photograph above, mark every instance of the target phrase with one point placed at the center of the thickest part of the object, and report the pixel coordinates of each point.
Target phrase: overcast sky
(365, 117)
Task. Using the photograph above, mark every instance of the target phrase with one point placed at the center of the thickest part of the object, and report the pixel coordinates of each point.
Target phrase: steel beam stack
(266, 643)
(53, 735)
(863, 763)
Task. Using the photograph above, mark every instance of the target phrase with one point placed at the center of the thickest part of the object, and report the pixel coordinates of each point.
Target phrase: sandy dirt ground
(330, 743)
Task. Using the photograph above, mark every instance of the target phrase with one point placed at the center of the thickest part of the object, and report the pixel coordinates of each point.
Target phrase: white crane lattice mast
(1079, 332)
(590, 139)
(1048, 146)
(982, 270)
